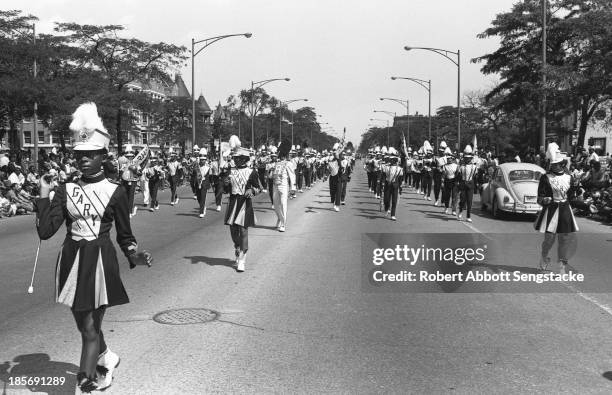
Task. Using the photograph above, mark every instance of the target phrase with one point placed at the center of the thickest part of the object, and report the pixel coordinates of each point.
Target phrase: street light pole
(444, 52)
(280, 118)
(428, 88)
(207, 42)
(35, 129)
(543, 127)
(259, 85)
(406, 104)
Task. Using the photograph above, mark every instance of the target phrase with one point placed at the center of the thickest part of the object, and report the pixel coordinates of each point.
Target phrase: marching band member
(216, 181)
(262, 160)
(335, 185)
(394, 175)
(283, 176)
(300, 165)
(466, 181)
(129, 176)
(345, 176)
(293, 162)
(449, 172)
(308, 162)
(439, 161)
(270, 173)
(426, 172)
(144, 186)
(368, 166)
(173, 175)
(556, 218)
(193, 160)
(87, 273)
(242, 184)
(377, 162)
(202, 170)
(417, 166)
(154, 177)
(409, 162)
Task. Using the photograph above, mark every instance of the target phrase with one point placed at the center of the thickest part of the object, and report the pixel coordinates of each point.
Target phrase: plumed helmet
(336, 146)
(553, 153)
(427, 147)
(203, 153)
(129, 150)
(297, 147)
(447, 151)
(384, 150)
(196, 148)
(90, 133)
(236, 147)
(468, 151)
(443, 146)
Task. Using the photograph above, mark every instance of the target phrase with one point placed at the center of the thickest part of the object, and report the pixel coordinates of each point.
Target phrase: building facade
(139, 128)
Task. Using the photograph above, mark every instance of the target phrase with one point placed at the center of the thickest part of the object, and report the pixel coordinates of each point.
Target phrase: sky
(339, 54)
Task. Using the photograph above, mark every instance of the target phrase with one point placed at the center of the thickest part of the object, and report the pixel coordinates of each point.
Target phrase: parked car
(513, 188)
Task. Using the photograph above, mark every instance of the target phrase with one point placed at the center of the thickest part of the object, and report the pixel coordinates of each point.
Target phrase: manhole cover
(185, 316)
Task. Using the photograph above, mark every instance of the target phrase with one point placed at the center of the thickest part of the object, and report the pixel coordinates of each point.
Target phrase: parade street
(298, 319)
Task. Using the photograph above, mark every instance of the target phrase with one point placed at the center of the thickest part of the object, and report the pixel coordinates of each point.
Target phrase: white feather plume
(86, 117)
(234, 142)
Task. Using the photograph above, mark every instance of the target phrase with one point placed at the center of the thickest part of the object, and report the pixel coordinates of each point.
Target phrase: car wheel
(495, 210)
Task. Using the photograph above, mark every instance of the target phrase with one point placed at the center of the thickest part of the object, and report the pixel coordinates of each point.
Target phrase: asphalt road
(299, 319)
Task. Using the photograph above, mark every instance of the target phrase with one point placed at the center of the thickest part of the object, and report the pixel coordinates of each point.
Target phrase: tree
(122, 61)
(255, 101)
(579, 59)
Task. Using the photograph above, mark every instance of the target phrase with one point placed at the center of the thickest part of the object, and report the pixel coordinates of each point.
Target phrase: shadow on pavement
(210, 261)
(607, 375)
(40, 367)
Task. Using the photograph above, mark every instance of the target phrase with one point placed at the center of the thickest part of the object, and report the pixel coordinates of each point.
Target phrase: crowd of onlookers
(19, 179)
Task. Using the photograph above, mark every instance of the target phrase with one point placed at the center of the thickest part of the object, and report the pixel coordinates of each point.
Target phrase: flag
(143, 157)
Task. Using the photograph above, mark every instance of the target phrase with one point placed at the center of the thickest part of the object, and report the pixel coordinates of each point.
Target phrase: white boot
(241, 263)
(107, 362)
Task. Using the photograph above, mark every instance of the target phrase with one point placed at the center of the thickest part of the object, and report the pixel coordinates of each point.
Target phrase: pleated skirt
(87, 275)
(556, 218)
(240, 212)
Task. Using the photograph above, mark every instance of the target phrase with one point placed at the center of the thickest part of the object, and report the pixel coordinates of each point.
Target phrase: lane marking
(575, 290)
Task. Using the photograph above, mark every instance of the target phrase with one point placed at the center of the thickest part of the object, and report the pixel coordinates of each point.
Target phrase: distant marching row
(452, 176)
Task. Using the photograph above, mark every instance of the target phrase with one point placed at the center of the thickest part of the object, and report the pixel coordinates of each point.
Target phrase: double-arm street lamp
(457, 63)
(259, 84)
(383, 120)
(428, 87)
(406, 105)
(280, 117)
(194, 53)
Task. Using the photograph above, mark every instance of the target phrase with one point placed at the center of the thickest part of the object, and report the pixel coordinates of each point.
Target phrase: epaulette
(116, 182)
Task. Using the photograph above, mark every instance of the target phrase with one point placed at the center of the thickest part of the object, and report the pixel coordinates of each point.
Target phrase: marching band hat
(203, 153)
(129, 151)
(443, 146)
(447, 151)
(468, 151)
(553, 153)
(90, 133)
(427, 148)
(236, 147)
(196, 148)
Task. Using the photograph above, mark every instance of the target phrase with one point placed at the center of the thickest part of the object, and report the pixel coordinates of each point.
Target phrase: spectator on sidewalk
(15, 175)
(20, 198)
